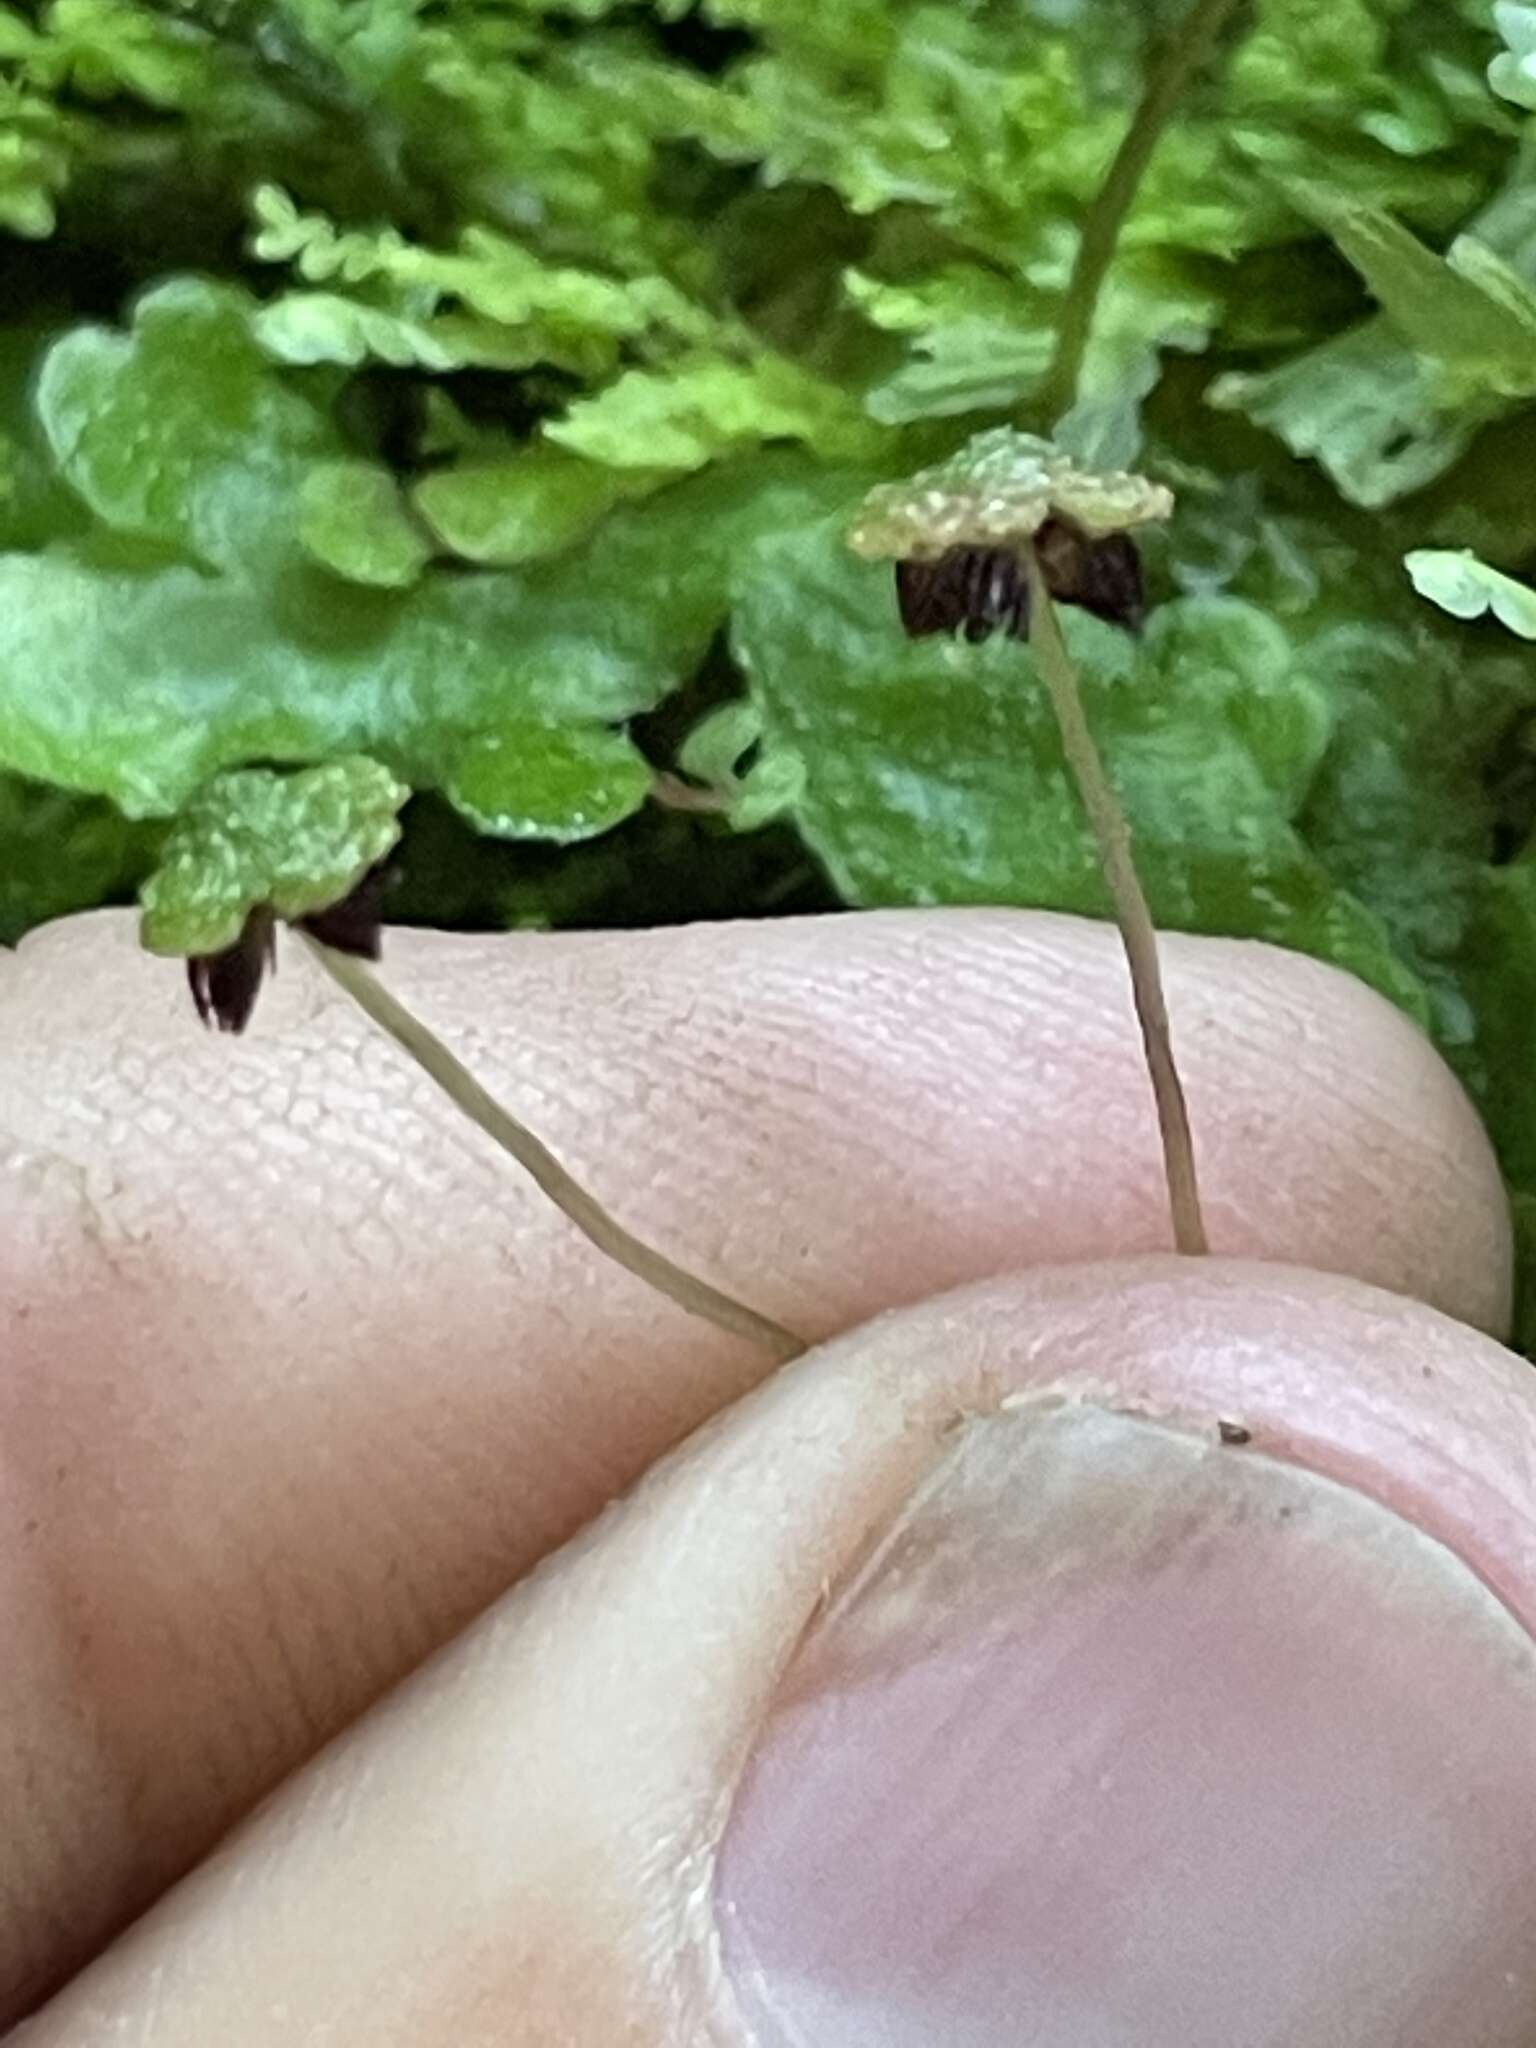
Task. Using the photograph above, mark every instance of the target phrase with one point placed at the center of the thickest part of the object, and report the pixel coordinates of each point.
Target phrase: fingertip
(1383, 1138)
(980, 1068)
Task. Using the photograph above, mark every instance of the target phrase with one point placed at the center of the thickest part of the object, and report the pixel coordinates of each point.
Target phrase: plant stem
(697, 1296)
(1186, 50)
(674, 794)
(1134, 919)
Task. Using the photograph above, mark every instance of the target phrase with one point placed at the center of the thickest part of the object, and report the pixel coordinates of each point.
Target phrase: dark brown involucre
(980, 591)
(1099, 576)
(225, 985)
(971, 590)
(356, 924)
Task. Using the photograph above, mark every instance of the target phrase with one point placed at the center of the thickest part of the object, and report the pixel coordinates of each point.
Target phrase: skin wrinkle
(254, 1729)
(795, 1480)
(51, 1840)
(805, 1076)
(1379, 1138)
(421, 1519)
(251, 1661)
(1254, 1028)
(308, 1644)
(576, 1118)
(64, 1843)
(547, 1400)
(1267, 1026)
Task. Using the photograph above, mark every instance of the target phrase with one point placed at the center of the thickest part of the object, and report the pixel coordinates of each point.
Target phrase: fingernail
(1123, 1736)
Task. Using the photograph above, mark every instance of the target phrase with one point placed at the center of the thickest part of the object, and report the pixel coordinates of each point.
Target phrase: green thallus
(992, 538)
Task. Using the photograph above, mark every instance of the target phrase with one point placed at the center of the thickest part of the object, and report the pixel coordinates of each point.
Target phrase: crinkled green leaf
(1365, 407)
(323, 327)
(18, 38)
(1399, 812)
(179, 431)
(353, 519)
(934, 774)
(1380, 405)
(62, 853)
(159, 679)
(962, 367)
(538, 502)
(982, 342)
(1388, 82)
(1303, 54)
(1460, 584)
(1426, 780)
(681, 419)
(104, 48)
(771, 788)
(998, 122)
(1513, 71)
(713, 751)
(296, 842)
(998, 491)
(34, 507)
(754, 784)
(1467, 311)
(953, 294)
(511, 303)
(527, 781)
(36, 155)
(1143, 312)
(368, 44)
(182, 434)
(979, 343)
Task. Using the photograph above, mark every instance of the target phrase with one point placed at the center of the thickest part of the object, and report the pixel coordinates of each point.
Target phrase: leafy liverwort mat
(445, 417)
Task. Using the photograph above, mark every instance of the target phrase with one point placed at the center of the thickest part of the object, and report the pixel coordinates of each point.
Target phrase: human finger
(969, 1681)
(300, 1375)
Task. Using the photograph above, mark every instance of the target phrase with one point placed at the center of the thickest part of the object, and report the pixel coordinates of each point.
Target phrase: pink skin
(232, 1516)
(633, 1803)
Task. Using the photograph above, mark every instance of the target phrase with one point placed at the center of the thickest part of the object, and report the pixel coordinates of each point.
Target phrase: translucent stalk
(1137, 932)
(686, 1289)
